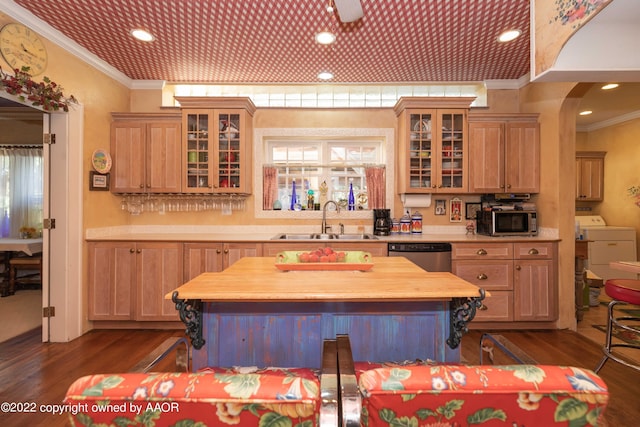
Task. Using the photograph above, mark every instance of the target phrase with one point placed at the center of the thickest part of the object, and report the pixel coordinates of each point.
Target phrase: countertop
(264, 234)
(390, 279)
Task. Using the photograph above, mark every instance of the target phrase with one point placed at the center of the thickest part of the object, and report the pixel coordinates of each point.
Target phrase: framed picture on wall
(98, 181)
(470, 210)
(455, 210)
(440, 207)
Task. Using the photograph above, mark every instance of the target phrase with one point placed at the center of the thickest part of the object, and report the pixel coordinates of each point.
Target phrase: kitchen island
(255, 314)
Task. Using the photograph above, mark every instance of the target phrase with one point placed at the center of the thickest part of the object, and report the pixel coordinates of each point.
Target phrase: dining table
(11, 247)
(255, 313)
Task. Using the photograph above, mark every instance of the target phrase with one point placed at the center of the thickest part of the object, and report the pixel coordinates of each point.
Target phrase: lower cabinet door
(534, 291)
(112, 275)
(496, 308)
(159, 273)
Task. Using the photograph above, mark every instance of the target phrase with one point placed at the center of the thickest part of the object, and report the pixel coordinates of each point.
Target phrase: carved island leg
(462, 311)
(191, 315)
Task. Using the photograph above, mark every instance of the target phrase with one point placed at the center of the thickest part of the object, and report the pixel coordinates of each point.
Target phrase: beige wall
(621, 164)
(21, 128)
(557, 179)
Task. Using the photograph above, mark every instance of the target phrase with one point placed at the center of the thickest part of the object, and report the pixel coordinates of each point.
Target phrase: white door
(65, 241)
(46, 212)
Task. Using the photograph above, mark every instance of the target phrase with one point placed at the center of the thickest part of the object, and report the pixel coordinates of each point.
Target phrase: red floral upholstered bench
(457, 395)
(211, 397)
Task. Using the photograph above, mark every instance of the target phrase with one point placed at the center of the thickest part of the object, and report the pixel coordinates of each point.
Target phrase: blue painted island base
(291, 334)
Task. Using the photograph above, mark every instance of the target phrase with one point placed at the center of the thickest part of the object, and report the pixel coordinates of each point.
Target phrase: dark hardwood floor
(31, 371)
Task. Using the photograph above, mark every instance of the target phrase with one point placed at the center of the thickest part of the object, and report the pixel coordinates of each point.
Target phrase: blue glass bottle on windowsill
(294, 198)
(352, 199)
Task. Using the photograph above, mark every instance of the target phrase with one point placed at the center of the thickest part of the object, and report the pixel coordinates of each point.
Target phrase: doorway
(62, 200)
(22, 181)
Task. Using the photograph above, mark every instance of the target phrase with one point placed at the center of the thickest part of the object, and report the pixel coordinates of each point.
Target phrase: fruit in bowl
(322, 254)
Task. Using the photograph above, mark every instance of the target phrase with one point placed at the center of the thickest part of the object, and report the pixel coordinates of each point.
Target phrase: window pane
(308, 163)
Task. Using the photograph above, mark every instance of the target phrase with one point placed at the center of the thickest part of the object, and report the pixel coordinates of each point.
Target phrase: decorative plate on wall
(101, 161)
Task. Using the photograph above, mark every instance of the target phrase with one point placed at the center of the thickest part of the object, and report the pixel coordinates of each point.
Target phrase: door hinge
(48, 312)
(49, 138)
(49, 223)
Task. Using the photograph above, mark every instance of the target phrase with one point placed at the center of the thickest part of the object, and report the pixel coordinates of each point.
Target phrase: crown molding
(508, 84)
(20, 14)
(148, 84)
(610, 122)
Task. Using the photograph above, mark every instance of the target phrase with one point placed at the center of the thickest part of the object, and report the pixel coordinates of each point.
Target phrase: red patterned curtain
(376, 186)
(270, 186)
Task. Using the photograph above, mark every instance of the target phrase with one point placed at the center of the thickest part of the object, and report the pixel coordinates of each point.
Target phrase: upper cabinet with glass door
(432, 144)
(217, 144)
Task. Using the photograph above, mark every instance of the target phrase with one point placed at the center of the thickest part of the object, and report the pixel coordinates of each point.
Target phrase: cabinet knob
(132, 250)
(482, 276)
(481, 252)
(508, 185)
(518, 268)
(141, 185)
(139, 251)
(226, 251)
(218, 251)
(533, 251)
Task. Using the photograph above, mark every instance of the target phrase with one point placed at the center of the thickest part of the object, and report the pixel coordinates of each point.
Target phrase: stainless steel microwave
(506, 223)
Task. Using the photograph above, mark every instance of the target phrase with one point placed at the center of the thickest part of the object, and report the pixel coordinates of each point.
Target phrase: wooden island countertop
(253, 313)
(391, 279)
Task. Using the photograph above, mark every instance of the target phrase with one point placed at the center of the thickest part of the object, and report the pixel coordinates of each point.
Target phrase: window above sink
(264, 138)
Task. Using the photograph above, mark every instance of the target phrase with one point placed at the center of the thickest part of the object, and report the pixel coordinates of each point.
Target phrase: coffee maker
(382, 222)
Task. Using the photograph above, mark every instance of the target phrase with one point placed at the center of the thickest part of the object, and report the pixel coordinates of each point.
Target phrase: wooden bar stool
(32, 263)
(622, 292)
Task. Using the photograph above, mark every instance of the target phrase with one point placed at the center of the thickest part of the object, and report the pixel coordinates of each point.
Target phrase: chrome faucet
(326, 227)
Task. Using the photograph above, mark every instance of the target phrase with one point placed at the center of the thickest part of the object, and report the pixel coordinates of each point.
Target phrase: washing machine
(606, 244)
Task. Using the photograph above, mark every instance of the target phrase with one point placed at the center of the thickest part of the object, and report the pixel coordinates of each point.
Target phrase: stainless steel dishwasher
(428, 256)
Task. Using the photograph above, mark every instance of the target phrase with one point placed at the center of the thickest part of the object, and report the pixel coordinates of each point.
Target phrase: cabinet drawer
(482, 251)
(496, 308)
(488, 275)
(533, 250)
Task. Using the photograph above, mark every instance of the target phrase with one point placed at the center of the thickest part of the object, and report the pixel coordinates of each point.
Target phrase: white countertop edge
(266, 232)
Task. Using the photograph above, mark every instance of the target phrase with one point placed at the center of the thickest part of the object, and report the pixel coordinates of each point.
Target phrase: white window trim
(386, 135)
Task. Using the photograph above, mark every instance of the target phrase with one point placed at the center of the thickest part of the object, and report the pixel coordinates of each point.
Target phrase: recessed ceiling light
(325, 37)
(509, 35)
(610, 86)
(143, 35)
(585, 112)
(325, 75)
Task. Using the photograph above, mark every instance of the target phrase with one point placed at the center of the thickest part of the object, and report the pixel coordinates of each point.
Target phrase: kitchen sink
(319, 236)
(355, 237)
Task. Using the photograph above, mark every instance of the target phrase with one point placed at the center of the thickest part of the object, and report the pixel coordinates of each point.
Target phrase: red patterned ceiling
(272, 41)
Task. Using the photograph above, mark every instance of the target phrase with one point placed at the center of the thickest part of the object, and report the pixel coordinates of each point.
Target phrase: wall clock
(22, 47)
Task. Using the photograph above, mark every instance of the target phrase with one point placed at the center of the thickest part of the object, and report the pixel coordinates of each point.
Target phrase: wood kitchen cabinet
(504, 153)
(214, 257)
(217, 144)
(432, 145)
(146, 153)
(590, 175)
(128, 280)
(534, 293)
(520, 277)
